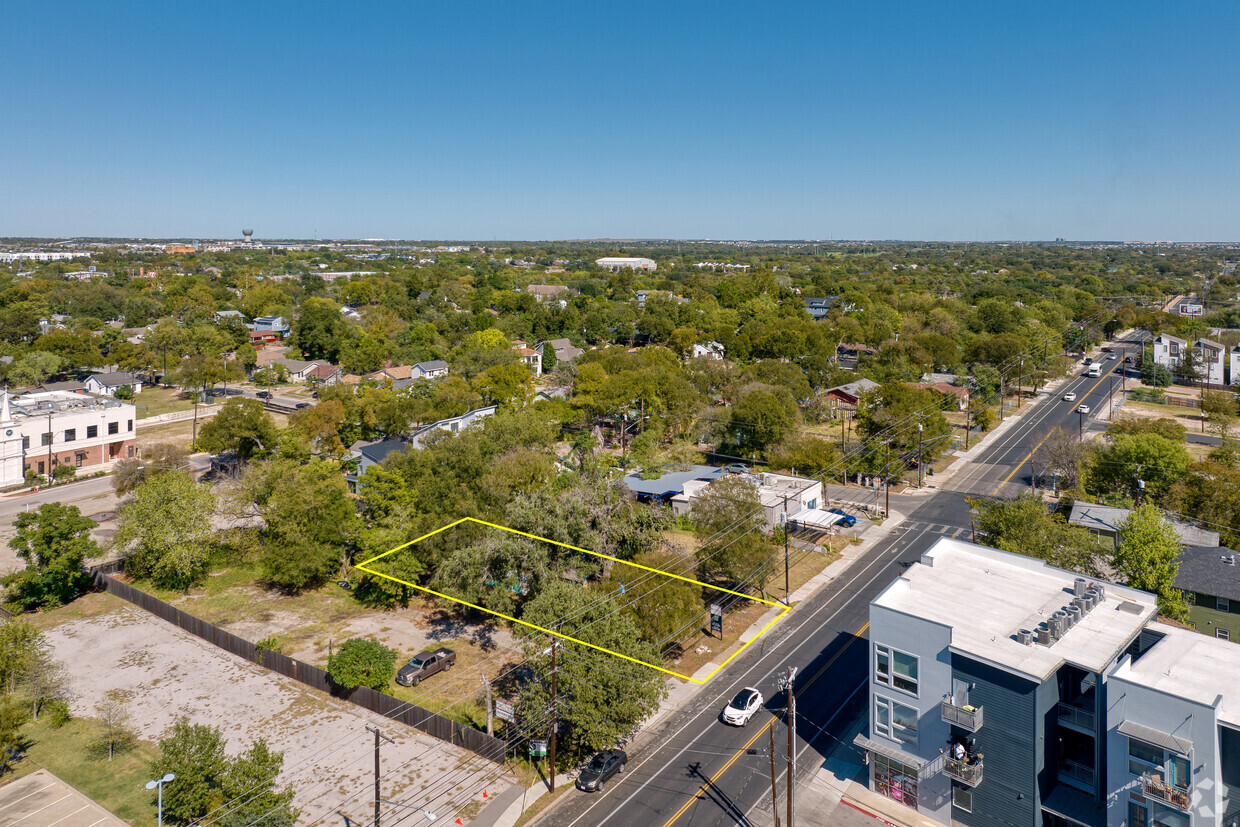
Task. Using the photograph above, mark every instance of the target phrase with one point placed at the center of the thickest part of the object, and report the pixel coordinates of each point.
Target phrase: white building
(1168, 350)
(41, 431)
(9, 258)
(1211, 359)
(782, 496)
(107, 384)
(1235, 365)
(453, 425)
(707, 350)
(617, 263)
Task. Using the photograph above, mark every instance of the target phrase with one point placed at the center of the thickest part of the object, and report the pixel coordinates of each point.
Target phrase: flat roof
(1190, 665)
(986, 596)
(673, 483)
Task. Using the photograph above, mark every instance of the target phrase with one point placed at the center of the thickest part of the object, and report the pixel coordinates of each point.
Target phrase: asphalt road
(696, 770)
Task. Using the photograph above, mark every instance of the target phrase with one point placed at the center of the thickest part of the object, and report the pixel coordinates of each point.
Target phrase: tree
(34, 368)
(892, 413)
(310, 521)
(1147, 558)
(504, 384)
(115, 729)
(600, 698)
(728, 518)
(242, 426)
(319, 329)
(362, 662)
(663, 608)
(1220, 408)
(208, 779)
(1060, 457)
(1155, 375)
(761, 418)
(166, 530)
(43, 680)
(549, 363)
(1025, 526)
(1158, 461)
(54, 542)
(196, 373)
(20, 646)
(156, 459)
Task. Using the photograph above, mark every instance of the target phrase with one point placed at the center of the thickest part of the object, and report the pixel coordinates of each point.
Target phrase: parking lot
(41, 799)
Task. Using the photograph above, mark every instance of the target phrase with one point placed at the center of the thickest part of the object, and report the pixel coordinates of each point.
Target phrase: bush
(63, 472)
(362, 662)
(57, 713)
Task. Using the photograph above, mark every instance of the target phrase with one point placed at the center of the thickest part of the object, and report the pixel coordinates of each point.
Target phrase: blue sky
(539, 120)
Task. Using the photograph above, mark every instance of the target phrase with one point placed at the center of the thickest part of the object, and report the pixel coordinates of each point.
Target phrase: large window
(92, 431)
(70, 434)
(1143, 758)
(47, 438)
(1222, 634)
(895, 780)
(895, 669)
(962, 798)
(1223, 604)
(114, 427)
(1138, 815)
(895, 720)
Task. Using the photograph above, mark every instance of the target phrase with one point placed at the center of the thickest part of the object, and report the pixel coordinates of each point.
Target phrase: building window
(114, 428)
(92, 431)
(962, 798)
(1222, 604)
(895, 780)
(25, 443)
(70, 434)
(1138, 815)
(895, 720)
(895, 669)
(130, 428)
(131, 452)
(46, 439)
(41, 468)
(1190, 598)
(1222, 634)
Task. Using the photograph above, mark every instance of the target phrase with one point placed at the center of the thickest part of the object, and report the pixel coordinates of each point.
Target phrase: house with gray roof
(365, 454)
(1210, 579)
(433, 369)
(670, 484)
(107, 384)
(1103, 521)
(453, 424)
(564, 350)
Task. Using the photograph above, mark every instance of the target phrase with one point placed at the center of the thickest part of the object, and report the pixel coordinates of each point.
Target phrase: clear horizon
(971, 123)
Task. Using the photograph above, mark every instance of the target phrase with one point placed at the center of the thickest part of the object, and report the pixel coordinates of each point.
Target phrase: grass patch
(154, 401)
(119, 785)
(87, 606)
(458, 694)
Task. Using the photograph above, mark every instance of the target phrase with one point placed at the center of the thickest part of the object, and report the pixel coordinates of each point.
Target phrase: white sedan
(742, 708)
(1069, 397)
(1084, 409)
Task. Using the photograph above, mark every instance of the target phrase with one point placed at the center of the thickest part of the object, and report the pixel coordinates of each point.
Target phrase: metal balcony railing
(965, 717)
(964, 771)
(1154, 786)
(1076, 771)
(1077, 716)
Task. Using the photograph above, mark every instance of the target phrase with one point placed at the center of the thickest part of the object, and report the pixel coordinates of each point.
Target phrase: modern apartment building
(990, 701)
(1168, 350)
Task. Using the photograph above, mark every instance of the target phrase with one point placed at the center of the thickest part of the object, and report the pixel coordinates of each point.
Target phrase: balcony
(1078, 717)
(965, 717)
(1153, 785)
(1074, 772)
(965, 771)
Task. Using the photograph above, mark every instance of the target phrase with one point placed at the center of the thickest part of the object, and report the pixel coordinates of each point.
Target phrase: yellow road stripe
(697, 795)
(1029, 456)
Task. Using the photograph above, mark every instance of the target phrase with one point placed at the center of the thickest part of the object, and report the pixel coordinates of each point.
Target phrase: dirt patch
(407, 631)
(328, 754)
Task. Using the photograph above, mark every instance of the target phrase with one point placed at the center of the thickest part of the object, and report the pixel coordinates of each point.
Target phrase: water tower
(249, 236)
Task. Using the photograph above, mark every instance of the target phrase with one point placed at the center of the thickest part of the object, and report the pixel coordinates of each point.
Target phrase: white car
(1069, 397)
(742, 708)
(1112, 358)
(1084, 409)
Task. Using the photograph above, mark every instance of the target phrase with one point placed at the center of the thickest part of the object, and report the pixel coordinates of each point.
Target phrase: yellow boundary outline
(363, 566)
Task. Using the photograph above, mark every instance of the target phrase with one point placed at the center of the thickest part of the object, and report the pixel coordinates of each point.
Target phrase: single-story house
(298, 371)
(780, 494)
(261, 338)
(843, 399)
(564, 350)
(958, 395)
(224, 315)
(1102, 521)
(324, 374)
(818, 308)
(855, 349)
(454, 424)
(707, 350)
(671, 484)
(1210, 580)
(400, 376)
(107, 384)
(433, 369)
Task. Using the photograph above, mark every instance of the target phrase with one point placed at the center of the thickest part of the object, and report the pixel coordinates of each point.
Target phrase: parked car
(848, 520)
(736, 468)
(314, 395)
(301, 405)
(1069, 397)
(602, 767)
(425, 664)
(263, 395)
(1083, 409)
(743, 707)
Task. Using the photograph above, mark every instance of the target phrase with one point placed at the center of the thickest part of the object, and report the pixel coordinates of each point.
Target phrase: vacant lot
(328, 754)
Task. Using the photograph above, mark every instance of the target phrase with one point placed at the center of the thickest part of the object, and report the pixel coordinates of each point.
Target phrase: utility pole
(1000, 398)
(378, 735)
(555, 724)
(919, 443)
(1020, 371)
(490, 717)
(50, 437)
(844, 431)
(1111, 400)
(193, 444)
(887, 477)
(968, 423)
(774, 790)
(787, 590)
(786, 683)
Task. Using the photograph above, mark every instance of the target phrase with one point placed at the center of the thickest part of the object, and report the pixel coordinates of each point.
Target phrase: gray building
(1103, 522)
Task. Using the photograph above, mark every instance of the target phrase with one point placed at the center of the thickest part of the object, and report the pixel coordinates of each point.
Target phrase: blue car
(848, 520)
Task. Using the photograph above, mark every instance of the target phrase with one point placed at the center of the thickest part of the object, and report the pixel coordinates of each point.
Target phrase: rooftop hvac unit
(1101, 589)
(1079, 586)
(1025, 636)
(1044, 635)
(1091, 599)
(1074, 615)
(1082, 603)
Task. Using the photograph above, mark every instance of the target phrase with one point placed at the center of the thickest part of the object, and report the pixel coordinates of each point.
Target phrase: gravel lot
(328, 755)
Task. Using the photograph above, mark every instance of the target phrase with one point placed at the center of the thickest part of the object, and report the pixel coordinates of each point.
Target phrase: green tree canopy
(166, 530)
(1147, 558)
(362, 662)
(1147, 456)
(1025, 526)
(242, 426)
(727, 516)
(54, 542)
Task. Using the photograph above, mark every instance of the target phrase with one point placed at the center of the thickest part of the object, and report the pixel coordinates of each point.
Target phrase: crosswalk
(944, 529)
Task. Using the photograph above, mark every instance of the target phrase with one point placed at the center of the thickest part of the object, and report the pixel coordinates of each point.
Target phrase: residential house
(1103, 521)
(433, 369)
(1234, 374)
(954, 394)
(396, 376)
(1005, 691)
(818, 308)
(365, 454)
(783, 497)
(1210, 580)
(107, 384)
(1168, 350)
(842, 400)
(298, 371)
(529, 357)
(1211, 360)
(324, 374)
(617, 263)
(454, 424)
(670, 484)
(542, 292)
(229, 315)
(273, 324)
(563, 349)
(707, 350)
(259, 339)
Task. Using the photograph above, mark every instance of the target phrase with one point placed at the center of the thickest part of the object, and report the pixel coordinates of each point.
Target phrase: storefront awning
(895, 754)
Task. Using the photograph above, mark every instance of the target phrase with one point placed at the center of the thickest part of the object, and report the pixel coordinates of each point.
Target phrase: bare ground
(328, 755)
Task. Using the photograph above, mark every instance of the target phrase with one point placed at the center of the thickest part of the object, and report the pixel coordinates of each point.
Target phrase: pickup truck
(425, 664)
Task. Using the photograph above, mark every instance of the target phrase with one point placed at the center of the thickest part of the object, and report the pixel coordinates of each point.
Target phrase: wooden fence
(445, 729)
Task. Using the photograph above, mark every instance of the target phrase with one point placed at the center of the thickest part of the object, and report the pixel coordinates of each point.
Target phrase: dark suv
(425, 664)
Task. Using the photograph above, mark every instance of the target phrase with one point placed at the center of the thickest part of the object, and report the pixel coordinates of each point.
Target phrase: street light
(160, 782)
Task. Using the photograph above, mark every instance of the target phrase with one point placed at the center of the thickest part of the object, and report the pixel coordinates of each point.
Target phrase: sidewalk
(508, 807)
